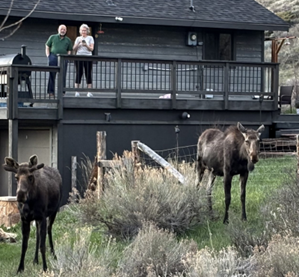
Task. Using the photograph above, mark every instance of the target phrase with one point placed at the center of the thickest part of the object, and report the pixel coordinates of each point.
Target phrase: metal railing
(142, 78)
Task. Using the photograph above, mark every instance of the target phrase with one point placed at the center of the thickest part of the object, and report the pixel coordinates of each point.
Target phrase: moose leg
(209, 190)
(200, 170)
(25, 237)
(243, 181)
(51, 221)
(43, 232)
(37, 242)
(227, 192)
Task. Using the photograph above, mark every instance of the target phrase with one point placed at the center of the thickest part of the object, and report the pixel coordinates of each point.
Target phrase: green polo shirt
(59, 45)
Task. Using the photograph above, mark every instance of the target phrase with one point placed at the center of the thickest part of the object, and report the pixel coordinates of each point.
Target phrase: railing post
(118, 84)
(226, 85)
(13, 127)
(13, 123)
(61, 85)
(173, 84)
(12, 105)
(274, 85)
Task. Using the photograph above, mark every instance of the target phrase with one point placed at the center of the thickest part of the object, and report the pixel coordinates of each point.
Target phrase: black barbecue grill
(16, 59)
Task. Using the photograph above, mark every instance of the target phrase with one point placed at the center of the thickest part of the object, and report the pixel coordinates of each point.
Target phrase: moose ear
(36, 167)
(32, 161)
(260, 129)
(10, 165)
(39, 166)
(241, 128)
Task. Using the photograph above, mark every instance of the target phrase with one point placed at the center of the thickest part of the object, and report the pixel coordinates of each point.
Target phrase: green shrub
(131, 197)
(77, 256)
(155, 252)
(210, 263)
(281, 209)
(280, 258)
(245, 237)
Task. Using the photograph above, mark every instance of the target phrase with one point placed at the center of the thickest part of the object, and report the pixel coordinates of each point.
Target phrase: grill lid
(11, 59)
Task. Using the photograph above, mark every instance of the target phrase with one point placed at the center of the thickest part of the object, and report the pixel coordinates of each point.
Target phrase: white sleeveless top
(82, 50)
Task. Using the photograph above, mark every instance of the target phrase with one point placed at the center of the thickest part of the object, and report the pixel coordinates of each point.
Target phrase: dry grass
(280, 258)
(155, 252)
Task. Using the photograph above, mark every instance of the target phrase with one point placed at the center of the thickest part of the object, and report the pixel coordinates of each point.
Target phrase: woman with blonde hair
(84, 45)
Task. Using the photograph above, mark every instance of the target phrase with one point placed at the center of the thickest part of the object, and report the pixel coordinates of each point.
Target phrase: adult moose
(38, 196)
(229, 153)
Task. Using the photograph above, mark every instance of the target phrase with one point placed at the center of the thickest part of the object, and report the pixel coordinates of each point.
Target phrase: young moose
(38, 196)
(229, 153)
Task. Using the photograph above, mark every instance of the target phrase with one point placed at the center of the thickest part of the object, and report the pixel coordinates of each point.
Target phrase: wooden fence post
(74, 171)
(136, 152)
(157, 158)
(136, 157)
(101, 155)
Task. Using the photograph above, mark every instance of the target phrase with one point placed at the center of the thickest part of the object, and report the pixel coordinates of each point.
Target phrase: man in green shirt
(57, 44)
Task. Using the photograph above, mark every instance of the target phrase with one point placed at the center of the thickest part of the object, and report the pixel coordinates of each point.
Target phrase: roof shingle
(208, 13)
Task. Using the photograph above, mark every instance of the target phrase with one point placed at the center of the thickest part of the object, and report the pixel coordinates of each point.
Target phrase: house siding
(33, 34)
(249, 46)
(130, 41)
(146, 42)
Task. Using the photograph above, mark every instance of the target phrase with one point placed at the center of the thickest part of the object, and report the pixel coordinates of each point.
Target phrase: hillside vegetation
(288, 56)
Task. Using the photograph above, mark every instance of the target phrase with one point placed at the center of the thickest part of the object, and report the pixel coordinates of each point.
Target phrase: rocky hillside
(288, 56)
(286, 9)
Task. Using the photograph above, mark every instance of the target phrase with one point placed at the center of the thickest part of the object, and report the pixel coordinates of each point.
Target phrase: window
(218, 46)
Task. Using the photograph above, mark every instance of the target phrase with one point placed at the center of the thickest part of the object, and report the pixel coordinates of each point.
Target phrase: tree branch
(7, 15)
(17, 23)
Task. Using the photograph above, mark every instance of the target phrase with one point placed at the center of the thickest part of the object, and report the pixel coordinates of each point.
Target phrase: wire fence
(278, 161)
(269, 148)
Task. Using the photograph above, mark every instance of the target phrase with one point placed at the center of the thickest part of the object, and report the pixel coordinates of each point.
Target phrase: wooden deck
(141, 84)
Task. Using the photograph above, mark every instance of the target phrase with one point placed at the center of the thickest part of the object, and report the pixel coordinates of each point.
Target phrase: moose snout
(254, 158)
(21, 196)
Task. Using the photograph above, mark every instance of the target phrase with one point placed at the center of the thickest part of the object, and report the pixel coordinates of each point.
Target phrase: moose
(229, 153)
(38, 195)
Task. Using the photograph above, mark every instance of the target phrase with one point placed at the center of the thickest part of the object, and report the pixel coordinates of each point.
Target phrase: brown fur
(38, 196)
(229, 153)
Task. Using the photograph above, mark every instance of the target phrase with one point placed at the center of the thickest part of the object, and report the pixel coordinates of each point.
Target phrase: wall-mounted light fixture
(185, 115)
(108, 117)
(100, 31)
(118, 18)
(287, 41)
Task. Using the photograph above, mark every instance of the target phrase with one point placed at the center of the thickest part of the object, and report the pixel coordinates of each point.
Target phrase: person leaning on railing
(84, 45)
(57, 44)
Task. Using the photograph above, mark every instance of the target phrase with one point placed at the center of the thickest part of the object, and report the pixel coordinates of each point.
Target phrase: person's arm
(76, 44)
(91, 45)
(47, 50)
(48, 46)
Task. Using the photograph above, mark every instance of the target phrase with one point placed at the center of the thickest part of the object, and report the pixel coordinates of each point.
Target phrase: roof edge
(152, 21)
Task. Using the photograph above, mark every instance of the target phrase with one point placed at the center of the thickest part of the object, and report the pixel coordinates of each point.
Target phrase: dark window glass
(225, 47)
(211, 46)
(218, 46)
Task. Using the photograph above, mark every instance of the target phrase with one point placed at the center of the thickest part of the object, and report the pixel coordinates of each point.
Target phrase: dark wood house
(153, 61)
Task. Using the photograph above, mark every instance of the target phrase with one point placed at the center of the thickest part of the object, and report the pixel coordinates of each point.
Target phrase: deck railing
(141, 78)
